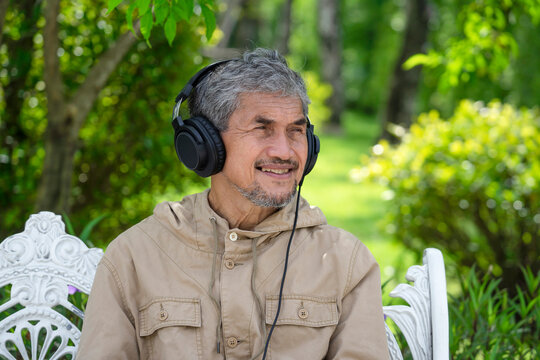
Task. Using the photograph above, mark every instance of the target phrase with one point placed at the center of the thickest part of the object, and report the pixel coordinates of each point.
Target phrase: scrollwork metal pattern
(414, 321)
(61, 336)
(393, 347)
(40, 263)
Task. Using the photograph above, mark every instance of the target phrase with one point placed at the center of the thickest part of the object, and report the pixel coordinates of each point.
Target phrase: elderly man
(246, 269)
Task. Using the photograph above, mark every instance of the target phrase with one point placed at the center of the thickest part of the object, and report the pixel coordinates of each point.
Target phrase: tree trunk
(331, 56)
(246, 31)
(285, 28)
(55, 186)
(65, 118)
(228, 20)
(50, 194)
(400, 107)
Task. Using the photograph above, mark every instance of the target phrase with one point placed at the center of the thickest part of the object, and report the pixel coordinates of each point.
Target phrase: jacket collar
(189, 220)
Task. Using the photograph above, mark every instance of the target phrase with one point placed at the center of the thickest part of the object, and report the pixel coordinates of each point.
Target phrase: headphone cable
(284, 270)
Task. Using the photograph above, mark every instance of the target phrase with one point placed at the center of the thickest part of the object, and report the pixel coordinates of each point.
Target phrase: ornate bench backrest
(425, 322)
(40, 264)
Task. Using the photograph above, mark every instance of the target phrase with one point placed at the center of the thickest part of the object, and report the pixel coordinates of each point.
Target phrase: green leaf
(210, 20)
(143, 6)
(180, 13)
(69, 225)
(170, 29)
(188, 6)
(147, 22)
(129, 17)
(112, 4)
(161, 11)
(430, 60)
(85, 234)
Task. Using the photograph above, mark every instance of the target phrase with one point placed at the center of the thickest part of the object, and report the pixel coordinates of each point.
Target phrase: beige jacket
(151, 297)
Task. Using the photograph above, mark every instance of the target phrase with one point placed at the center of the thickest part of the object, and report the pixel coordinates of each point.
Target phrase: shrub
(469, 184)
(487, 323)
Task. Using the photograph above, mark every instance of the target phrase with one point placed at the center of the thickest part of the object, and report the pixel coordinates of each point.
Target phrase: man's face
(266, 149)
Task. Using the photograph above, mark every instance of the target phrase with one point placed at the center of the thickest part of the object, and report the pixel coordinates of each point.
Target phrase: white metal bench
(425, 322)
(42, 261)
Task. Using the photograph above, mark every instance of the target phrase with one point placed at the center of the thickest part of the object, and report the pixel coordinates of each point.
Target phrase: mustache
(277, 161)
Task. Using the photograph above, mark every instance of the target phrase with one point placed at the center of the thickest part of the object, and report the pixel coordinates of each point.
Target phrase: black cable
(284, 270)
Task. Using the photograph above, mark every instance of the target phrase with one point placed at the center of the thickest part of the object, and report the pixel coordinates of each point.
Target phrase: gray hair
(216, 97)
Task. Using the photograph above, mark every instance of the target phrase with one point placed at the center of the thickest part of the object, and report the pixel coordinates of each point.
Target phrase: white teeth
(276, 171)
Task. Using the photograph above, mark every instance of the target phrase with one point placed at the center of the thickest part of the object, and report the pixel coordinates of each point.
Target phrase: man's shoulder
(134, 237)
(168, 217)
(340, 241)
(327, 232)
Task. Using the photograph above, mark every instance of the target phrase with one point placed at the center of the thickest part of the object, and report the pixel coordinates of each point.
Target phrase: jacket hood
(191, 216)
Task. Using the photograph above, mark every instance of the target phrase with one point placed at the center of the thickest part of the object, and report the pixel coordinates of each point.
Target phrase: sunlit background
(426, 110)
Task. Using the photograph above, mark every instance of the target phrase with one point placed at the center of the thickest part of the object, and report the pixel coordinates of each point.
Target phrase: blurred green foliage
(469, 185)
(371, 35)
(318, 92)
(166, 14)
(484, 46)
(486, 322)
(126, 162)
(126, 159)
(480, 50)
(86, 231)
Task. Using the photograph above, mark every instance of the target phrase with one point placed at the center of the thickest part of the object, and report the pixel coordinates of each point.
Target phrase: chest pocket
(170, 328)
(302, 310)
(304, 327)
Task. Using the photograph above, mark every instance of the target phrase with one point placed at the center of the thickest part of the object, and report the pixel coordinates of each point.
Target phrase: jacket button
(233, 236)
(163, 315)
(229, 264)
(232, 342)
(303, 313)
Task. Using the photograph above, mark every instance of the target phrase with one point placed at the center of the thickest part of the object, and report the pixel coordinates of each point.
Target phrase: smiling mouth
(275, 171)
(277, 167)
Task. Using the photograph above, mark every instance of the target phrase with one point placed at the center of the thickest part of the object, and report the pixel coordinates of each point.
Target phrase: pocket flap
(302, 310)
(167, 311)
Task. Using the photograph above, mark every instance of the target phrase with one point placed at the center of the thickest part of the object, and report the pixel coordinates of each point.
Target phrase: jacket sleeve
(360, 333)
(108, 328)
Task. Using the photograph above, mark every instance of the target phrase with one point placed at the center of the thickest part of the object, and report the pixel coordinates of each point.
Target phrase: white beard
(256, 195)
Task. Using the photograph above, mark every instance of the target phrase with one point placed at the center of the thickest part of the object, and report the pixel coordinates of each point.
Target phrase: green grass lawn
(357, 208)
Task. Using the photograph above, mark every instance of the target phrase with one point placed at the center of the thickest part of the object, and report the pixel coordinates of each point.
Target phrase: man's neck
(237, 210)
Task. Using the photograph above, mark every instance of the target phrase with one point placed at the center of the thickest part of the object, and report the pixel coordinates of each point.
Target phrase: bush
(469, 184)
(486, 323)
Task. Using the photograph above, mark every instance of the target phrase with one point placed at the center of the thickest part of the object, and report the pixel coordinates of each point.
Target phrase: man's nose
(280, 147)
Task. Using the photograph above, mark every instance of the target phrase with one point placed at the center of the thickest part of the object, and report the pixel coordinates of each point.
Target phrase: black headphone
(198, 143)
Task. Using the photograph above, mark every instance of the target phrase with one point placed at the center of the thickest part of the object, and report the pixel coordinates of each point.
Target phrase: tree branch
(86, 94)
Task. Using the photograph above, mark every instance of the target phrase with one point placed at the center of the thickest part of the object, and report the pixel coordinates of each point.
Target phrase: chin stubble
(260, 198)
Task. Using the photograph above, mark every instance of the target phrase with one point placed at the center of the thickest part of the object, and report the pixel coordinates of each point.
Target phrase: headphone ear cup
(200, 147)
(314, 146)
